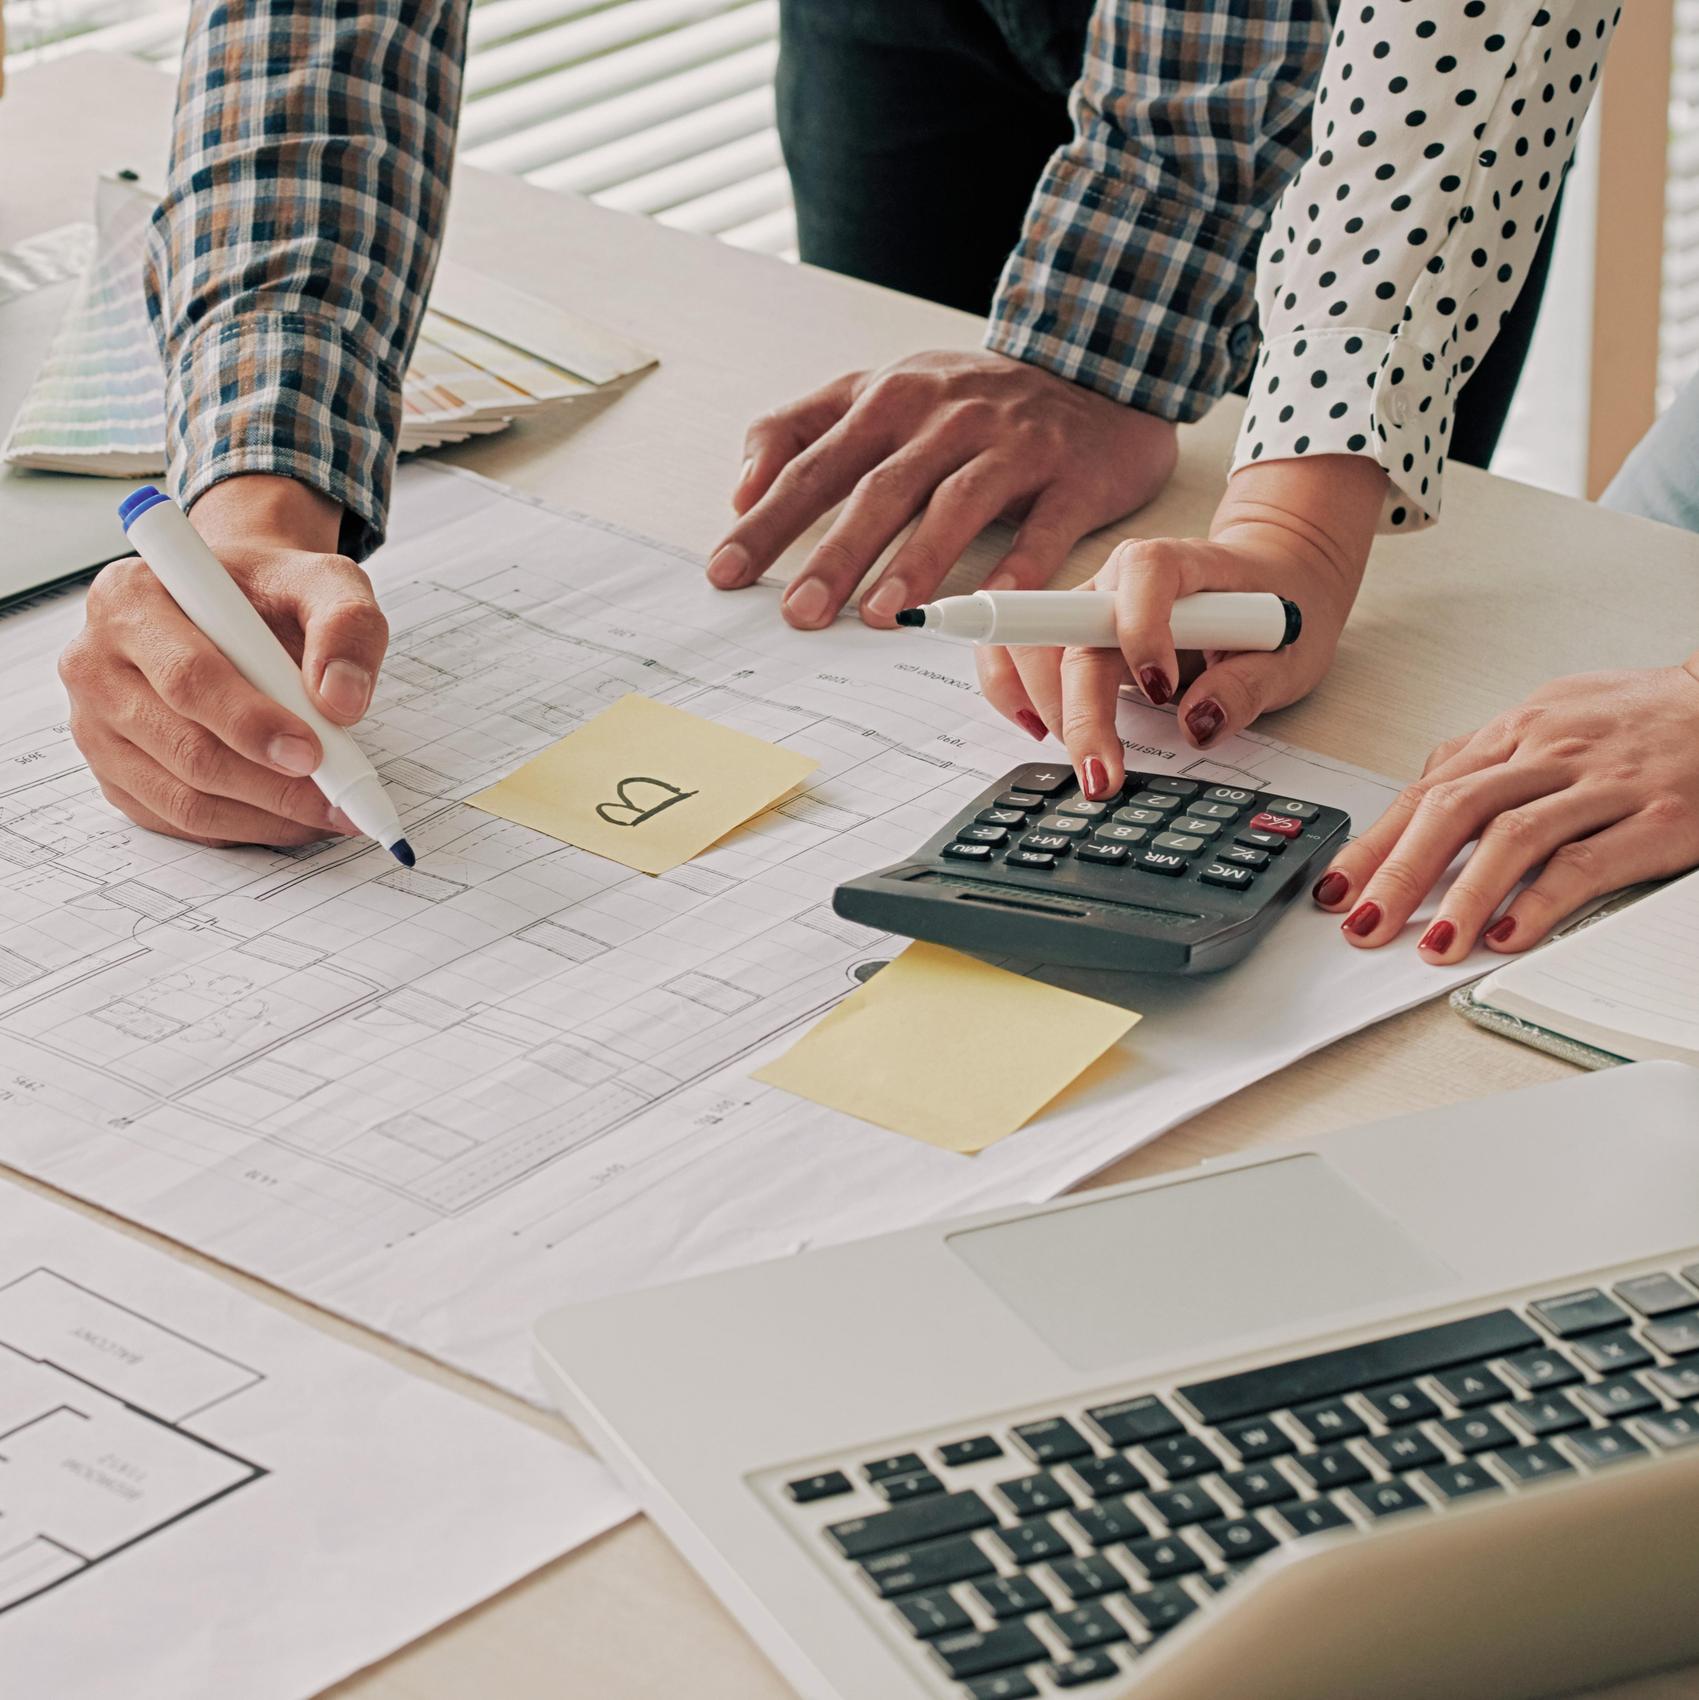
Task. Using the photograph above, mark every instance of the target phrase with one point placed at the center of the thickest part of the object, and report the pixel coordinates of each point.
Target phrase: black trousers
(916, 130)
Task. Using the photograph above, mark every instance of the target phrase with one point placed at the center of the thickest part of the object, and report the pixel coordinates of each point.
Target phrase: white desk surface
(1454, 625)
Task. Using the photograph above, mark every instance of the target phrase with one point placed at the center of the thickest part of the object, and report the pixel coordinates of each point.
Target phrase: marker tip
(911, 616)
(402, 851)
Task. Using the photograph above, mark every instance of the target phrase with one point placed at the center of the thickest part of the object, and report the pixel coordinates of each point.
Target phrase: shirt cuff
(275, 393)
(1144, 299)
(1354, 392)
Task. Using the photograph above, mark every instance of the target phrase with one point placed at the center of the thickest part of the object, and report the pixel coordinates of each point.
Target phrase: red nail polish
(1330, 888)
(1029, 722)
(1501, 929)
(1438, 938)
(1154, 683)
(1362, 920)
(1205, 720)
(1096, 778)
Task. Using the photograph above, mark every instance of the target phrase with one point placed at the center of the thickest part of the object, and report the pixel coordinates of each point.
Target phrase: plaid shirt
(291, 257)
(1134, 275)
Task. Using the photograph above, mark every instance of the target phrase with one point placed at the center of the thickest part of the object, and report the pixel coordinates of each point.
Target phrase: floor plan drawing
(443, 1098)
(95, 1449)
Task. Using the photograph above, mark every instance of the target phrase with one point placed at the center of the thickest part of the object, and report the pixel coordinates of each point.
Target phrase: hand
(179, 740)
(1594, 781)
(1265, 537)
(957, 439)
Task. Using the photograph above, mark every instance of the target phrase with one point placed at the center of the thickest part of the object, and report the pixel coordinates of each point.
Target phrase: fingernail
(1501, 929)
(341, 823)
(744, 471)
(1096, 778)
(291, 755)
(1438, 938)
(1029, 722)
(1205, 720)
(347, 688)
(1001, 581)
(886, 599)
(1362, 920)
(729, 566)
(1154, 683)
(1330, 888)
(807, 601)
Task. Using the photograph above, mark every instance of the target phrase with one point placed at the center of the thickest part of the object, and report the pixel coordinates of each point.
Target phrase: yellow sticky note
(944, 1048)
(646, 785)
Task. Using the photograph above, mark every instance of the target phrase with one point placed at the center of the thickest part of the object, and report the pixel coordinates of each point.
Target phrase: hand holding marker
(160, 533)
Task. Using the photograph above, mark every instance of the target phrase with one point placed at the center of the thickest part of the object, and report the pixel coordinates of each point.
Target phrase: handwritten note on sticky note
(943, 1048)
(646, 785)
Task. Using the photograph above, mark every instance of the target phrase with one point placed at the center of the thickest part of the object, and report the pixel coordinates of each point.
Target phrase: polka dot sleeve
(1442, 132)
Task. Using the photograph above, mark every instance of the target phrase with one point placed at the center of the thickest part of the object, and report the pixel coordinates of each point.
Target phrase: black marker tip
(911, 616)
(402, 851)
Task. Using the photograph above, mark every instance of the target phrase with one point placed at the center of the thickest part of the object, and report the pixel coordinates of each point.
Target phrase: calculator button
(974, 1450)
(1181, 843)
(1106, 853)
(1243, 856)
(1229, 794)
(1139, 817)
(1157, 800)
(1065, 824)
(1272, 842)
(1282, 824)
(1023, 800)
(1001, 817)
(1224, 873)
(807, 1489)
(1161, 862)
(1115, 833)
(1031, 859)
(1055, 843)
(968, 852)
(983, 835)
(1676, 1335)
(1290, 806)
(1578, 1313)
(1045, 778)
(1198, 828)
(1215, 811)
(1654, 1295)
(1084, 808)
(1172, 787)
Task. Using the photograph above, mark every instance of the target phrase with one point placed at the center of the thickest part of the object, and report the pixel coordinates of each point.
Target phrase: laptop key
(1053, 1441)
(906, 1525)
(1134, 1420)
(1105, 1476)
(806, 1489)
(1086, 1627)
(1655, 1295)
(1402, 1402)
(1408, 1449)
(1260, 1485)
(1669, 1431)
(1596, 1447)
(1006, 1685)
(1552, 1413)
(1328, 1420)
(1393, 1358)
(1180, 1457)
(1258, 1438)
(1088, 1667)
(1034, 1540)
(1676, 1335)
(1010, 1596)
(933, 1614)
(935, 1565)
(1027, 1496)
(1570, 1314)
(1109, 1521)
(1477, 1432)
(1460, 1481)
(1609, 1353)
(975, 1652)
(1472, 1385)
(1087, 1578)
(1180, 1506)
(974, 1450)
(1160, 1560)
(899, 1464)
(1239, 1538)
(1333, 1466)
(1534, 1463)
(1618, 1396)
(1385, 1499)
(1313, 1517)
(1163, 1607)
(1541, 1369)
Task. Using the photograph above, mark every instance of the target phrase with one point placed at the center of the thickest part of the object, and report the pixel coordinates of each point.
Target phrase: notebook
(1623, 988)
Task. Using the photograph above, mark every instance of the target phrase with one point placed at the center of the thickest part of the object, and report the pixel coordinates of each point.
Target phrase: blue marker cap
(138, 502)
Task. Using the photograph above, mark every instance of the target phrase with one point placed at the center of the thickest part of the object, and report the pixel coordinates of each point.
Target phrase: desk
(1452, 626)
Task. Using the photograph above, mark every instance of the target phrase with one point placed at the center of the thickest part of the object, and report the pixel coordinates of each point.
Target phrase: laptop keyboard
(1044, 1556)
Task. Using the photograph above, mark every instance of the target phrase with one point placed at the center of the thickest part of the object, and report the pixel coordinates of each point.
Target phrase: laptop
(1404, 1411)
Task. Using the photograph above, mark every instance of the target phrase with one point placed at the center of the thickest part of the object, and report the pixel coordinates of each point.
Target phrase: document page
(202, 1496)
(442, 1099)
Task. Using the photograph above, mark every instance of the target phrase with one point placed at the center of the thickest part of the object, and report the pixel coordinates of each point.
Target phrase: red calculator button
(1283, 824)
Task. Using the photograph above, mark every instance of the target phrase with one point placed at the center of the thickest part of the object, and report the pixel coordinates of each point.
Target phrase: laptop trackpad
(1280, 1245)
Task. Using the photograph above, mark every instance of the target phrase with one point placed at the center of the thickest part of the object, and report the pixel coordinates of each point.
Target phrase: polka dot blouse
(1442, 132)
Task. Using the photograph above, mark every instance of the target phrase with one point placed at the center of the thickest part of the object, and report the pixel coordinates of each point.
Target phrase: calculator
(1171, 875)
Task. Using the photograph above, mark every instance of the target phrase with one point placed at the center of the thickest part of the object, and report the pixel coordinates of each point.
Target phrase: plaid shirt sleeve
(289, 261)
(1134, 273)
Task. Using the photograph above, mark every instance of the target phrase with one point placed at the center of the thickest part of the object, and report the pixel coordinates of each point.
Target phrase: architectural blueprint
(200, 1496)
(442, 1099)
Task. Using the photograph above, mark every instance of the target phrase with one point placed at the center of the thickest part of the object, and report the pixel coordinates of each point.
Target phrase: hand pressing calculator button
(1183, 878)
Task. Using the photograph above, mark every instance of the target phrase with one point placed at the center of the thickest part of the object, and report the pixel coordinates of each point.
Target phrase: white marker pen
(1212, 619)
(160, 533)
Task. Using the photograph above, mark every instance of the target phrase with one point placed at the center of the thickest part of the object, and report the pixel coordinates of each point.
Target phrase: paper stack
(98, 403)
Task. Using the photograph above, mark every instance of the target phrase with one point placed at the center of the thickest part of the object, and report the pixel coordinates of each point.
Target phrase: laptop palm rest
(1277, 1246)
